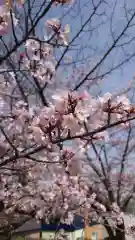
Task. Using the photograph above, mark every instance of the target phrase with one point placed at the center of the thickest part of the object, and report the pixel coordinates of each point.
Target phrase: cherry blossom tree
(47, 125)
(111, 172)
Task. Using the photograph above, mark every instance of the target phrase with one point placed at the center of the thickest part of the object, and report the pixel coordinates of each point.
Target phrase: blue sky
(94, 45)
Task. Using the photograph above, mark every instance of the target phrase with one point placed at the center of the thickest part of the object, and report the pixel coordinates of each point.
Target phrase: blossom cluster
(53, 27)
(52, 187)
(39, 61)
(55, 175)
(117, 215)
(6, 18)
(74, 115)
(62, 2)
(9, 3)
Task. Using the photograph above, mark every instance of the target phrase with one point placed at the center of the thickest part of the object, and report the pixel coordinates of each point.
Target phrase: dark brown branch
(89, 134)
(78, 33)
(107, 182)
(26, 36)
(106, 54)
(92, 133)
(122, 165)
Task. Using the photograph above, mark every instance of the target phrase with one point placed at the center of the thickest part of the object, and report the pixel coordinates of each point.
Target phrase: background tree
(112, 174)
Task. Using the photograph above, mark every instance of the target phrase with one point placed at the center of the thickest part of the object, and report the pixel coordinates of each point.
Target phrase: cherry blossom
(53, 27)
(44, 134)
(55, 175)
(5, 19)
(62, 2)
(10, 2)
(39, 60)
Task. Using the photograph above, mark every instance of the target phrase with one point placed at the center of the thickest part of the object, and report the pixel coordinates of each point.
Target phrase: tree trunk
(119, 233)
(6, 235)
(109, 230)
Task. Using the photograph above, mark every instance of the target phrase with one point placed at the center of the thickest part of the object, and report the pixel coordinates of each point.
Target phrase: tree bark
(6, 237)
(109, 229)
(118, 234)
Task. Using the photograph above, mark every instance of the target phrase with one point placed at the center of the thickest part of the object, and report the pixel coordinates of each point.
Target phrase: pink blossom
(124, 101)
(5, 19)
